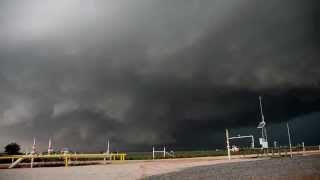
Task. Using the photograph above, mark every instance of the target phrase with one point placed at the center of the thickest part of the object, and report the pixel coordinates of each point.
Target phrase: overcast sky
(156, 72)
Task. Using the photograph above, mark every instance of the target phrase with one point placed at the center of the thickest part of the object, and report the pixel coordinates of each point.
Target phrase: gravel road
(126, 170)
(297, 168)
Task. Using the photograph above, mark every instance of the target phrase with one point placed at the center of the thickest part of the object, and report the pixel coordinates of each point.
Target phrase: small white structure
(241, 137)
(235, 148)
(263, 142)
(164, 152)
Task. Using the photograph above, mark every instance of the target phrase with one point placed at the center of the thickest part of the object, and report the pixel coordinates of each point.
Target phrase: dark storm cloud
(153, 72)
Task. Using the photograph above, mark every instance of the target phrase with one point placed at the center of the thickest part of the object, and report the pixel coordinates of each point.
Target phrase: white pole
(31, 163)
(303, 148)
(263, 129)
(262, 116)
(252, 142)
(34, 146)
(164, 151)
(50, 147)
(33, 152)
(289, 137)
(108, 147)
(152, 152)
(265, 134)
(228, 145)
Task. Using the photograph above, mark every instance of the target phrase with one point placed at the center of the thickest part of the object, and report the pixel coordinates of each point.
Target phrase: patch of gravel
(297, 168)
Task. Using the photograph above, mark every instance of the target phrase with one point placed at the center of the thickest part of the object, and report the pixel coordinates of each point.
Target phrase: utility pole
(228, 144)
(33, 152)
(264, 129)
(289, 137)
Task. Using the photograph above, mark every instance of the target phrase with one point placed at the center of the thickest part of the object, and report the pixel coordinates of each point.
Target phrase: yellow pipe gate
(16, 159)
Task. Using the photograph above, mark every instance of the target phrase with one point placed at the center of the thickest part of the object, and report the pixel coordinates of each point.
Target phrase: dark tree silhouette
(12, 148)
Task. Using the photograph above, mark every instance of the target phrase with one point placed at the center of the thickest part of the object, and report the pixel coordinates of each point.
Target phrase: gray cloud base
(153, 72)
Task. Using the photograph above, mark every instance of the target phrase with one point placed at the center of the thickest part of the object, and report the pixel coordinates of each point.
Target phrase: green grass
(178, 154)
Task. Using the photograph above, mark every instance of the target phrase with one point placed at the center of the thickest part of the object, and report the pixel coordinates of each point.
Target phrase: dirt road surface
(296, 168)
(119, 171)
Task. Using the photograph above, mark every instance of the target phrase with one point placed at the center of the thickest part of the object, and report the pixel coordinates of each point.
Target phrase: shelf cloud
(151, 72)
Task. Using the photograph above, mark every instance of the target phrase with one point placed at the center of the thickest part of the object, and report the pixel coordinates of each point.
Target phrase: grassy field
(206, 153)
(178, 154)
